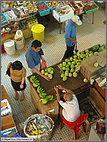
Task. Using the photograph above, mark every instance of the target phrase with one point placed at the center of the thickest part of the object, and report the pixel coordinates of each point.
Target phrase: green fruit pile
(47, 99)
(68, 66)
(35, 81)
(48, 72)
(42, 93)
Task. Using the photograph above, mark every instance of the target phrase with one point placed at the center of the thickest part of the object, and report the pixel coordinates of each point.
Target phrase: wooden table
(52, 107)
(4, 94)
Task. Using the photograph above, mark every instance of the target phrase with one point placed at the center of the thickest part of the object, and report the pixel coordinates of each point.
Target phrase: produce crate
(4, 22)
(87, 65)
(45, 12)
(94, 114)
(97, 98)
(92, 10)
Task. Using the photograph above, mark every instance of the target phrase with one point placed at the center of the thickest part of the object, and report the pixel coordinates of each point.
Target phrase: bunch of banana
(41, 92)
(47, 99)
(32, 78)
(35, 81)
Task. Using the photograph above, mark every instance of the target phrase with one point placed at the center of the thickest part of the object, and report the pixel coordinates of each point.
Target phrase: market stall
(36, 117)
(22, 15)
(73, 80)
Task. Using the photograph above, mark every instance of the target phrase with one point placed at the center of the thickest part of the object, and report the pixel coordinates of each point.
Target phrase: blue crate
(4, 22)
(45, 12)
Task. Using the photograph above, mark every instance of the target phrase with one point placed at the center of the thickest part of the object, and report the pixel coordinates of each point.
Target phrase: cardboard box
(7, 122)
(64, 17)
(87, 65)
(5, 110)
(4, 94)
(8, 132)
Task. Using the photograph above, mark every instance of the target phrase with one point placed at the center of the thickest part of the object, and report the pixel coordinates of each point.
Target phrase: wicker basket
(46, 136)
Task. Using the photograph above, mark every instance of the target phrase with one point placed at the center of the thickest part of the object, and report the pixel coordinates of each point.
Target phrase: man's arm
(72, 40)
(57, 95)
(67, 90)
(43, 60)
(38, 72)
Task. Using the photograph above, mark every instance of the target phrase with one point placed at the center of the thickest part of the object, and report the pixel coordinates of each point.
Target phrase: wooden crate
(99, 101)
(94, 108)
(101, 90)
(51, 108)
(4, 94)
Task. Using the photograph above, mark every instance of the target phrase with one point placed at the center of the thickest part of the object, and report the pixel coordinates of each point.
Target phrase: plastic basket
(92, 10)
(38, 32)
(45, 136)
(4, 22)
(45, 12)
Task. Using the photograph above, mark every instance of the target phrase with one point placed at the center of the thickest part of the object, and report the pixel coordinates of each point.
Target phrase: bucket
(38, 32)
(9, 46)
(20, 44)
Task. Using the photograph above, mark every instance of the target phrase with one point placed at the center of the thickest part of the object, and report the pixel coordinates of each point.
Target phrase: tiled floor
(54, 47)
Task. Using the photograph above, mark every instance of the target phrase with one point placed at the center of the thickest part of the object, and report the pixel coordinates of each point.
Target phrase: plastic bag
(43, 65)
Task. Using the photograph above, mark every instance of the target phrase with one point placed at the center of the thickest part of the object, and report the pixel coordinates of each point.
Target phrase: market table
(4, 94)
(52, 107)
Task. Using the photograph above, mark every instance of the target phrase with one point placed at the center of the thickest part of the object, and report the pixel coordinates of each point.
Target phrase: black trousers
(69, 52)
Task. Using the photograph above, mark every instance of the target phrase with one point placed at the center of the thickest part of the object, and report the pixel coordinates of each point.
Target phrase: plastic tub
(9, 46)
(38, 32)
(4, 22)
(92, 10)
(45, 12)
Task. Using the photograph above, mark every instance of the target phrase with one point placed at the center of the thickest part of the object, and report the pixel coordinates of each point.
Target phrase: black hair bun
(17, 65)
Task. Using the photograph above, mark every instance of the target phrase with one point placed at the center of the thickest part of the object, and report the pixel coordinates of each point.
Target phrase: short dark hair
(17, 65)
(36, 43)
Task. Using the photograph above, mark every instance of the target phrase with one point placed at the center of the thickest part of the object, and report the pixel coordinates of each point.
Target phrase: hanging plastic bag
(43, 65)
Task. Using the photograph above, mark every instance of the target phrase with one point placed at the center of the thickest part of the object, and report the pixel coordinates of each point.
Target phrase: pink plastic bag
(43, 65)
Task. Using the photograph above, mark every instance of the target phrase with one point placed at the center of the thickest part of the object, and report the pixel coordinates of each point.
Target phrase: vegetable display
(42, 93)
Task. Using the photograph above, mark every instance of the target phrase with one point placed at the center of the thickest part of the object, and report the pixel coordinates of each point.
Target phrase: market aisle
(54, 48)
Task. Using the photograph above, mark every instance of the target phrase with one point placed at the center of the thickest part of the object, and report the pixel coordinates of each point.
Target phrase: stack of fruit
(69, 66)
(43, 95)
(42, 6)
(48, 72)
(52, 4)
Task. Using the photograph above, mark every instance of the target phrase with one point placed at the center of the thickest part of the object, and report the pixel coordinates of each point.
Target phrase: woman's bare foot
(16, 97)
(22, 97)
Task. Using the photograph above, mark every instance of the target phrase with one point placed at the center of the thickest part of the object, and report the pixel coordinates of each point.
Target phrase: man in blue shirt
(70, 36)
(33, 57)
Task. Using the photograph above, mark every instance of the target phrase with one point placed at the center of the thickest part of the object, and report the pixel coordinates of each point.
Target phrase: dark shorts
(16, 85)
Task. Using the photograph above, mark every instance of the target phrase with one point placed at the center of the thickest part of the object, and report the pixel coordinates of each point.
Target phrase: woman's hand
(21, 86)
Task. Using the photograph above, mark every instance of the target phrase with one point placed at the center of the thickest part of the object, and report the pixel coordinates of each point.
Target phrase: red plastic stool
(75, 125)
